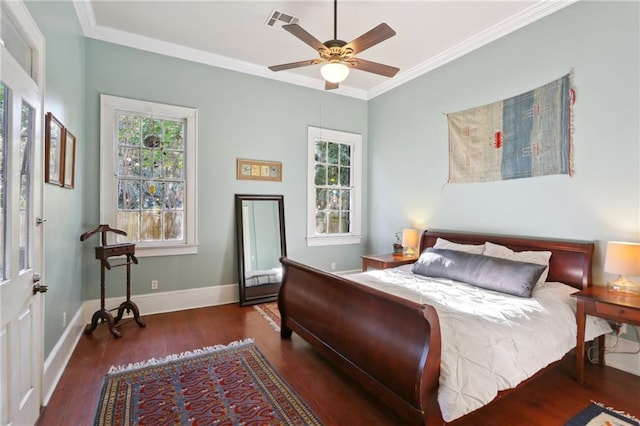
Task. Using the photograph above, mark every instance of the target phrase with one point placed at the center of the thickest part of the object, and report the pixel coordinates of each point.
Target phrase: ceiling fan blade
(374, 67)
(303, 35)
(330, 86)
(371, 38)
(295, 65)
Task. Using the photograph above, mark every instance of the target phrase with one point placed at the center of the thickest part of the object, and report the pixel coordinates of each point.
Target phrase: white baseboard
(152, 303)
(170, 301)
(622, 361)
(59, 357)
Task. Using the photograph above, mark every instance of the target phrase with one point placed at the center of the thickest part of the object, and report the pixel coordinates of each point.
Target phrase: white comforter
(490, 341)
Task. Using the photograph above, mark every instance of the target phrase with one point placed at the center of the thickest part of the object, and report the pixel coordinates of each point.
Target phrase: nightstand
(387, 260)
(600, 302)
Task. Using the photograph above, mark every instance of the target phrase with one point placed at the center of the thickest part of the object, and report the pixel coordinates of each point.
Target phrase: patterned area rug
(270, 312)
(597, 414)
(226, 385)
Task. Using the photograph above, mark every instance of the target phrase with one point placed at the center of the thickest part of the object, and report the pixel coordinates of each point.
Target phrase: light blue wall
(64, 97)
(240, 116)
(408, 143)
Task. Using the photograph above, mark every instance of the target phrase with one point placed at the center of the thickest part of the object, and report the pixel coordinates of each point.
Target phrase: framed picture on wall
(69, 171)
(259, 170)
(53, 145)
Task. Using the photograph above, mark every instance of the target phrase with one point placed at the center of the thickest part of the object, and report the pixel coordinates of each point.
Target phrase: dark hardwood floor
(551, 398)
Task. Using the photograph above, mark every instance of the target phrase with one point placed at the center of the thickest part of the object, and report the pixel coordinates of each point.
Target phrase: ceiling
(234, 34)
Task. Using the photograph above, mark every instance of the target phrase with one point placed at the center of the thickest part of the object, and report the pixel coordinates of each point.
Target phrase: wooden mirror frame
(267, 292)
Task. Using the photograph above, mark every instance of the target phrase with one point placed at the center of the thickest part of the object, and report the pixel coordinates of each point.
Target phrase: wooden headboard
(570, 261)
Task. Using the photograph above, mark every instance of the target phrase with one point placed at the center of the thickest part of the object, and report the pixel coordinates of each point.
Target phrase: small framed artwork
(259, 170)
(53, 145)
(69, 170)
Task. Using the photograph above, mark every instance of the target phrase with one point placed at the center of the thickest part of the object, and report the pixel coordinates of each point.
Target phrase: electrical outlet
(64, 319)
(154, 284)
(333, 266)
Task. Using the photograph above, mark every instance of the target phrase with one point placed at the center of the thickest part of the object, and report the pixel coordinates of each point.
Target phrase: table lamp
(410, 242)
(623, 259)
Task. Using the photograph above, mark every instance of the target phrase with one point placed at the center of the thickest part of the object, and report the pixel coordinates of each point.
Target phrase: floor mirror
(260, 243)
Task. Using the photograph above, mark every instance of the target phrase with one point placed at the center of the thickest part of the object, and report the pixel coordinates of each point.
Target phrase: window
(148, 172)
(334, 187)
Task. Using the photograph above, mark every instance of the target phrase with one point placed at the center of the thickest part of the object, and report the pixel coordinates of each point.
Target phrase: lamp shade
(334, 72)
(622, 258)
(410, 238)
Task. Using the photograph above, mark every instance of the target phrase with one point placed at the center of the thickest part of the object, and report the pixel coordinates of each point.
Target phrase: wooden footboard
(390, 345)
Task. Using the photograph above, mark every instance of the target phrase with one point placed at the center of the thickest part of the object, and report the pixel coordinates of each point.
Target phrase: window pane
(321, 175)
(345, 155)
(345, 176)
(153, 194)
(129, 222)
(321, 199)
(173, 165)
(174, 195)
(173, 225)
(333, 156)
(151, 163)
(129, 162)
(321, 151)
(345, 199)
(173, 134)
(151, 132)
(321, 223)
(4, 94)
(26, 142)
(334, 200)
(334, 223)
(129, 194)
(128, 130)
(344, 222)
(16, 44)
(332, 175)
(151, 229)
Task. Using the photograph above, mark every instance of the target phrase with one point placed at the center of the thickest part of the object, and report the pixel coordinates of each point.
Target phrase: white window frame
(110, 106)
(355, 140)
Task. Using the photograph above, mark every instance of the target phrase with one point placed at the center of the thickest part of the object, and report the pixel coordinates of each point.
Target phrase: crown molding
(501, 29)
(86, 16)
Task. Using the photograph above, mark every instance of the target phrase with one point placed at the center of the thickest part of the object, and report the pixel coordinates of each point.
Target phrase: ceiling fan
(338, 56)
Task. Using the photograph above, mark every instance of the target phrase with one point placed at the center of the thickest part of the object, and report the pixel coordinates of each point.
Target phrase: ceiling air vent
(278, 19)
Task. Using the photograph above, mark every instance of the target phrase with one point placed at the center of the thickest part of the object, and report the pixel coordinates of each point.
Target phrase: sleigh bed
(389, 344)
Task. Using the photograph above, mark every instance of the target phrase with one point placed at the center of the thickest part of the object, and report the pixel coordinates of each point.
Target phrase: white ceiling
(234, 34)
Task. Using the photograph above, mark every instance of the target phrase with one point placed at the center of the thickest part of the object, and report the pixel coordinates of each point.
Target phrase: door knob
(37, 287)
(40, 220)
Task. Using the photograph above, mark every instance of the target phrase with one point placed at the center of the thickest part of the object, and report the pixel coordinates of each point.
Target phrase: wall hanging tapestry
(229, 385)
(524, 136)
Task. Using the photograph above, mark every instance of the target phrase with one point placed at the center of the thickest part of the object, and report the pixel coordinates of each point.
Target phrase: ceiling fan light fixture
(334, 72)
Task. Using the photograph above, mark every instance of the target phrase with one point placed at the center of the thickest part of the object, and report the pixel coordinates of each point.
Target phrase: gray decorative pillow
(492, 273)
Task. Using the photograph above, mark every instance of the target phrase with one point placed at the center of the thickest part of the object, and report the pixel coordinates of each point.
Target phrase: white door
(21, 141)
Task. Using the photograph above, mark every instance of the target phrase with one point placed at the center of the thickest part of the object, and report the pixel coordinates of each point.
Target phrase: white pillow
(538, 257)
(441, 243)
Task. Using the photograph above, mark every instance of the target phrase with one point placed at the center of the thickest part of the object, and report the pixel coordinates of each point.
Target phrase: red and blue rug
(222, 385)
(270, 312)
(596, 414)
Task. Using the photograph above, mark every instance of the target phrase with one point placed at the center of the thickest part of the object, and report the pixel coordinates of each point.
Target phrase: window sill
(334, 240)
(165, 250)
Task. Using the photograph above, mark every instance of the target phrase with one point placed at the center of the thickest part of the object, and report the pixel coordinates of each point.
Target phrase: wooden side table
(599, 301)
(384, 261)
